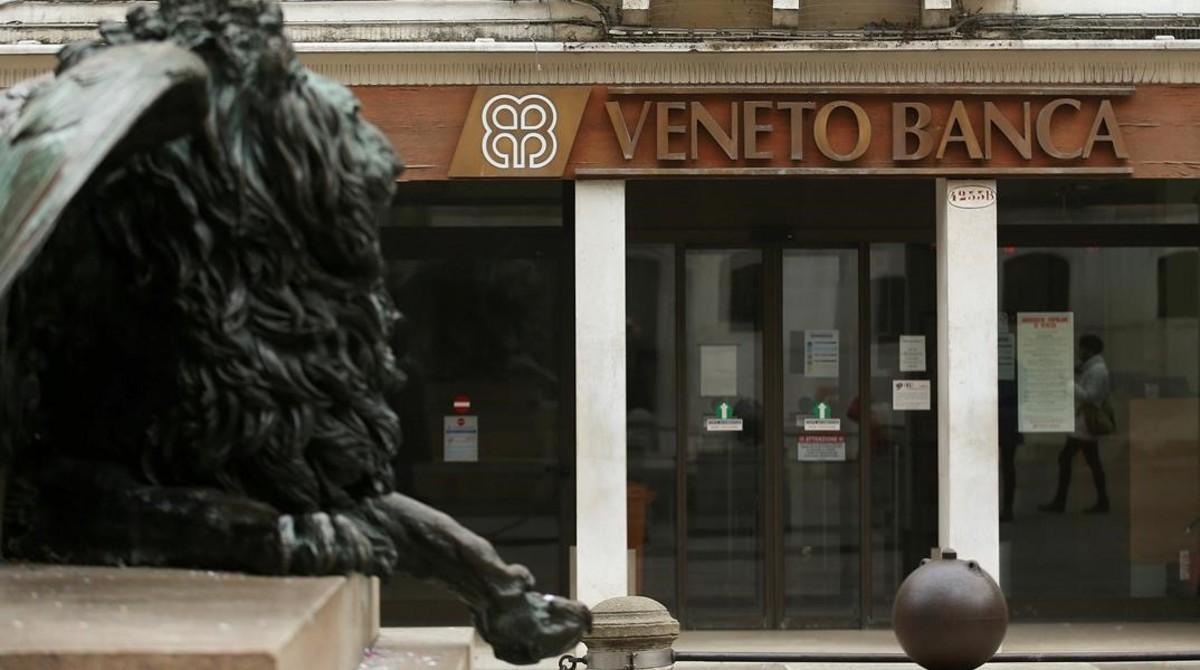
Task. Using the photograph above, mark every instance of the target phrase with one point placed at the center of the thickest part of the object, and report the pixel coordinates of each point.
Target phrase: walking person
(1093, 418)
(1010, 439)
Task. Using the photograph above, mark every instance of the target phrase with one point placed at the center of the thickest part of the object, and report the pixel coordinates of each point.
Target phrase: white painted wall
(602, 562)
(325, 11)
(1082, 6)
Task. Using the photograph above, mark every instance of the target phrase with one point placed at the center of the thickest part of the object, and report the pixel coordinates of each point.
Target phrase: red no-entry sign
(462, 404)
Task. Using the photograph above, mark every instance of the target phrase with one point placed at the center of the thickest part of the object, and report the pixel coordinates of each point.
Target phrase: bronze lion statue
(194, 328)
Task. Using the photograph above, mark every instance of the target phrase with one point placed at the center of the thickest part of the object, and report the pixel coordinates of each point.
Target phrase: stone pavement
(906, 666)
(1021, 638)
(486, 663)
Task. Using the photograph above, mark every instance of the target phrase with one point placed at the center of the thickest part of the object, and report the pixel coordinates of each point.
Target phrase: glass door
(802, 494)
(819, 462)
(773, 531)
(725, 567)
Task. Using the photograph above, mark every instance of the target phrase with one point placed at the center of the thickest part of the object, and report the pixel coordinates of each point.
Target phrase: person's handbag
(1099, 418)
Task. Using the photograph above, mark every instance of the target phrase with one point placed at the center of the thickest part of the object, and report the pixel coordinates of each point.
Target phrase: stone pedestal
(67, 618)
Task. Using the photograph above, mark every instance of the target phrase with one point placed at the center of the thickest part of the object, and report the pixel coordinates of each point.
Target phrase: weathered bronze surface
(950, 614)
(195, 353)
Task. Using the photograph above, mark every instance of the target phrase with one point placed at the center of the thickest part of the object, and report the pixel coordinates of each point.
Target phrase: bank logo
(519, 132)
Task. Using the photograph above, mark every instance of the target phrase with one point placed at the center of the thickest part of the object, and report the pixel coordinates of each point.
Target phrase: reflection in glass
(820, 515)
(903, 484)
(1099, 202)
(725, 567)
(488, 331)
(1063, 554)
(650, 306)
(477, 204)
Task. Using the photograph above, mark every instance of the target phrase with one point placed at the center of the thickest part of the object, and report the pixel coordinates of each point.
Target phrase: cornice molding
(555, 63)
(14, 69)
(775, 68)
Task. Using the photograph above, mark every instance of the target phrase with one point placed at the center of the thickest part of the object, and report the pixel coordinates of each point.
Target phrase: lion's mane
(211, 313)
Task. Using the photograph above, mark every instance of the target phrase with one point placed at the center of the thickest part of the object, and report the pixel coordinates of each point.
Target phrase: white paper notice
(911, 395)
(718, 370)
(1045, 374)
(1008, 357)
(723, 425)
(821, 448)
(818, 425)
(912, 353)
(460, 439)
(821, 353)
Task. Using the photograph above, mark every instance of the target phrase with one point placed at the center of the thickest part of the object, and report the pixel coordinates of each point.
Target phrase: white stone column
(601, 561)
(968, 436)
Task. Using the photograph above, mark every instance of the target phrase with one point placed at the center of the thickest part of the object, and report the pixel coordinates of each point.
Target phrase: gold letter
(1108, 117)
(751, 129)
(901, 130)
(628, 142)
(727, 141)
(1043, 129)
(821, 131)
(993, 117)
(797, 125)
(662, 113)
(966, 133)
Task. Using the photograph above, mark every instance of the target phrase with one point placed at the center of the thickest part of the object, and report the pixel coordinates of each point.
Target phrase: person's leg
(1091, 453)
(1070, 448)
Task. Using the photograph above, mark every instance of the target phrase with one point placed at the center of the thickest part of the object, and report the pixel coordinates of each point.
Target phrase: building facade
(747, 305)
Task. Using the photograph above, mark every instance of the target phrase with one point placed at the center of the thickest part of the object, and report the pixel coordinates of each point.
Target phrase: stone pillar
(968, 437)
(601, 563)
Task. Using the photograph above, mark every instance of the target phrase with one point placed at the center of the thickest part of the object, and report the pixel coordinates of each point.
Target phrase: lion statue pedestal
(94, 618)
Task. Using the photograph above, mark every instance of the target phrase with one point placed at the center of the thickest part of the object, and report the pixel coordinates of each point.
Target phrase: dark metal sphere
(950, 614)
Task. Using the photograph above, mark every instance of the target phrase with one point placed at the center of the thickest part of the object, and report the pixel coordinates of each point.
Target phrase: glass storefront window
(1096, 520)
(652, 429)
(486, 323)
(477, 204)
(1099, 202)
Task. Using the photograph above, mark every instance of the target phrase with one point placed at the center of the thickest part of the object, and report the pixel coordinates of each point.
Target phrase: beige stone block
(90, 618)
(711, 13)
(855, 14)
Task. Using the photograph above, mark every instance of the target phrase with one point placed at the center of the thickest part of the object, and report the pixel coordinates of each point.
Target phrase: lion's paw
(532, 626)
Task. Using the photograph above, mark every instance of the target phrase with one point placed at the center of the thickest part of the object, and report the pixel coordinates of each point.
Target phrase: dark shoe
(1055, 507)
(1099, 508)
(1006, 516)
